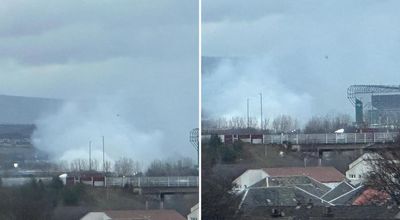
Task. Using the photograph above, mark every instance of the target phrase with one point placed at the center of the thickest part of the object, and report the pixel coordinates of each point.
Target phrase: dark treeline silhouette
(125, 166)
(182, 167)
(280, 124)
(36, 200)
(218, 200)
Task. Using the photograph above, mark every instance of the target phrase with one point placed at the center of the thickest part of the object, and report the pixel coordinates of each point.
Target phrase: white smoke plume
(65, 135)
(226, 89)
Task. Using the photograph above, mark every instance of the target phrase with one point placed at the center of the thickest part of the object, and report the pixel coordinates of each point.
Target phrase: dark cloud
(81, 31)
(137, 59)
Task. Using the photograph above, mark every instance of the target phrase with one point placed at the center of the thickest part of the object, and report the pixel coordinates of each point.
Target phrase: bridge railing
(343, 138)
(171, 181)
(329, 138)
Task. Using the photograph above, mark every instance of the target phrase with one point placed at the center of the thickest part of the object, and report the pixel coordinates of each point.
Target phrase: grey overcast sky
(301, 54)
(137, 60)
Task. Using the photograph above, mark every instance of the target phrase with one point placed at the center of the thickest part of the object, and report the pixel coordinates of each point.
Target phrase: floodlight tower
(194, 140)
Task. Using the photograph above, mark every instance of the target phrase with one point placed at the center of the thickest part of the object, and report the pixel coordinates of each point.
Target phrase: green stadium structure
(377, 105)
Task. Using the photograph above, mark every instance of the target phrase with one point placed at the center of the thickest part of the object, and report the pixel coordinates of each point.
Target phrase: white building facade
(248, 178)
(194, 213)
(359, 169)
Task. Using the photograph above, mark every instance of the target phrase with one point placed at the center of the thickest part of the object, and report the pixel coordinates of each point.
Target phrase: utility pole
(248, 116)
(104, 170)
(90, 155)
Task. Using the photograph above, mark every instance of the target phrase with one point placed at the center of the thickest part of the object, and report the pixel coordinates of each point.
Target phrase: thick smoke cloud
(66, 134)
(227, 88)
(126, 70)
(317, 48)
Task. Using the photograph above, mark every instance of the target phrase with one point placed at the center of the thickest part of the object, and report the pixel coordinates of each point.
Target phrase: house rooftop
(161, 214)
(321, 174)
(322, 212)
(276, 196)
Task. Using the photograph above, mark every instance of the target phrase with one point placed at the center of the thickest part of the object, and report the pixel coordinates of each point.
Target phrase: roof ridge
(299, 167)
(346, 193)
(305, 191)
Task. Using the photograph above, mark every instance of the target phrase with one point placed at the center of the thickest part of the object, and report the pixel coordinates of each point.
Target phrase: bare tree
(126, 167)
(253, 122)
(79, 165)
(181, 167)
(107, 166)
(265, 124)
(327, 124)
(62, 166)
(284, 123)
(95, 164)
(385, 174)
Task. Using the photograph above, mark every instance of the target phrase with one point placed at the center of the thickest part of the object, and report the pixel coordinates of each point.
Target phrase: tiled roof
(371, 196)
(162, 214)
(322, 174)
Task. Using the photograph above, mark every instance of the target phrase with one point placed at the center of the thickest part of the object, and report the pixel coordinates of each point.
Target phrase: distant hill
(16, 131)
(25, 110)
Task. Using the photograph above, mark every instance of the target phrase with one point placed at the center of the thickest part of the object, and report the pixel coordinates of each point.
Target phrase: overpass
(163, 181)
(159, 186)
(321, 148)
(164, 184)
(324, 139)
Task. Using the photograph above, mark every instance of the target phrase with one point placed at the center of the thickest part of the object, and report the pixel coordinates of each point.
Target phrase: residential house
(297, 190)
(194, 213)
(162, 214)
(308, 212)
(328, 176)
(360, 167)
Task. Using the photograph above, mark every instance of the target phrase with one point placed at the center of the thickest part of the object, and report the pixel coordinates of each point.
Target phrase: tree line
(219, 202)
(128, 167)
(37, 200)
(281, 124)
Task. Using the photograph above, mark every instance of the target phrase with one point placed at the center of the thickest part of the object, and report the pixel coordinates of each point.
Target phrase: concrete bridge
(328, 138)
(164, 184)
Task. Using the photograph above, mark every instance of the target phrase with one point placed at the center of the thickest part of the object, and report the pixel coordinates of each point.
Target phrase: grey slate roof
(302, 182)
(320, 212)
(339, 190)
(276, 196)
(349, 197)
(293, 189)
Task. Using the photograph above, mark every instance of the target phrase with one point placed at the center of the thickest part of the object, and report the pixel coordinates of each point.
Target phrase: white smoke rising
(66, 134)
(226, 90)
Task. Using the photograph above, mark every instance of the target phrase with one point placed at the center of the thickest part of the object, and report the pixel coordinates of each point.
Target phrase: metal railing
(19, 181)
(329, 138)
(172, 181)
(343, 138)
